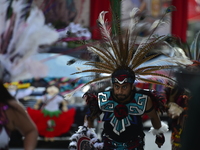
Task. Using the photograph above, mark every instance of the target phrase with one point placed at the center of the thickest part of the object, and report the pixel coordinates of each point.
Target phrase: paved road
(63, 144)
(149, 140)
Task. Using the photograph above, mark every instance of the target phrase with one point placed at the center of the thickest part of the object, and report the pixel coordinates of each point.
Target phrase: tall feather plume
(104, 55)
(3, 14)
(22, 31)
(116, 30)
(17, 9)
(123, 50)
(132, 27)
(187, 54)
(153, 81)
(105, 29)
(143, 50)
(133, 20)
(158, 23)
(149, 69)
(195, 48)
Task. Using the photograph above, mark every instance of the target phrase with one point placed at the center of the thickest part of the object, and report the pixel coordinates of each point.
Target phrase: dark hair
(55, 84)
(5, 96)
(127, 71)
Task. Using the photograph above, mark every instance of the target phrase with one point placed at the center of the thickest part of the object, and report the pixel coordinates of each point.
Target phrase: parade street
(149, 140)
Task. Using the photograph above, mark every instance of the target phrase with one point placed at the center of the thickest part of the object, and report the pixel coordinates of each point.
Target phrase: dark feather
(93, 70)
(100, 65)
(107, 57)
(72, 61)
(145, 50)
(146, 59)
(154, 82)
(170, 9)
(97, 79)
(160, 75)
(149, 69)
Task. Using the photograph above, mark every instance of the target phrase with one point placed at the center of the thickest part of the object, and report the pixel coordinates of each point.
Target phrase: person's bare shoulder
(16, 107)
(19, 118)
(16, 104)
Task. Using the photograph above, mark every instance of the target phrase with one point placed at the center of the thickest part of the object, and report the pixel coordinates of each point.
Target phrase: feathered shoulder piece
(93, 108)
(22, 31)
(193, 52)
(124, 49)
(191, 71)
(85, 138)
(158, 99)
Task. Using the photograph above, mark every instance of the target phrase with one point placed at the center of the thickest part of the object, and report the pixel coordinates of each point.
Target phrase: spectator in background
(155, 8)
(21, 39)
(13, 116)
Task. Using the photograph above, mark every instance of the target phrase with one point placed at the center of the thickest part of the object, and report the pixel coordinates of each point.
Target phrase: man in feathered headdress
(122, 58)
(123, 107)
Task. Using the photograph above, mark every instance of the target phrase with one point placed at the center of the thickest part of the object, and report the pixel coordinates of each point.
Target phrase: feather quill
(194, 48)
(133, 20)
(105, 29)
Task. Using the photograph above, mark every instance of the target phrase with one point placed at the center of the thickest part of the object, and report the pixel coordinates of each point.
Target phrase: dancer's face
(122, 91)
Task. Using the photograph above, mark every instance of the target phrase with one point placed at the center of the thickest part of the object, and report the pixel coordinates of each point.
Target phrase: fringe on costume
(164, 128)
(84, 131)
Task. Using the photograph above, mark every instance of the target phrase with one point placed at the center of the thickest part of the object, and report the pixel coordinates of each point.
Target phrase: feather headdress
(22, 31)
(193, 53)
(125, 49)
(188, 77)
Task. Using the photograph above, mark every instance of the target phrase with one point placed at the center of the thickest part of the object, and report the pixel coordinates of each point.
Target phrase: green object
(51, 124)
(9, 10)
(51, 113)
(116, 15)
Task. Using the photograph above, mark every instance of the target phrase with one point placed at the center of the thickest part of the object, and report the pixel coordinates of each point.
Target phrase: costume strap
(47, 101)
(158, 99)
(150, 109)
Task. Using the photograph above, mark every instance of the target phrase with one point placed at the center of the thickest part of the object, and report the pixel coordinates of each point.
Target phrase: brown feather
(153, 68)
(116, 51)
(114, 46)
(132, 50)
(158, 74)
(100, 65)
(93, 70)
(97, 79)
(153, 82)
(126, 48)
(103, 55)
(145, 60)
(145, 50)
